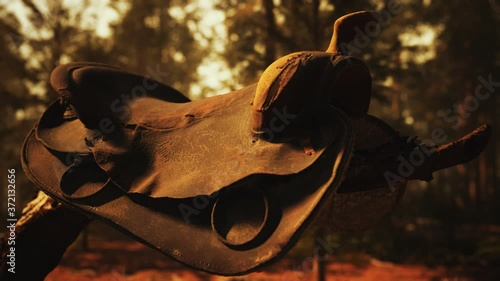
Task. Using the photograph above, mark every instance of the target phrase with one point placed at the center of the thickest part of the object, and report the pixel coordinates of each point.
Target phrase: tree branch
(42, 235)
(401, 160)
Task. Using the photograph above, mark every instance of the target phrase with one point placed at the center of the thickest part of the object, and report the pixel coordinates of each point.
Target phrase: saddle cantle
(224, 184)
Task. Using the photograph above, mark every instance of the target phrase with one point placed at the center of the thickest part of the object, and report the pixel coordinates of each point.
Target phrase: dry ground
(130, 261)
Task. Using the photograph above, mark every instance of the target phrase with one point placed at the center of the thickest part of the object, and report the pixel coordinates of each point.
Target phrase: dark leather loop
(83, 179)
(240, 217)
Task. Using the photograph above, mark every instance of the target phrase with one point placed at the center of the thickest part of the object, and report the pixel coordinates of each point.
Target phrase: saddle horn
(299, 80)
(347, 27)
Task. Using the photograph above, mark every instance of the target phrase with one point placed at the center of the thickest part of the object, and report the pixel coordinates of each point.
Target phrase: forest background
(426, 64)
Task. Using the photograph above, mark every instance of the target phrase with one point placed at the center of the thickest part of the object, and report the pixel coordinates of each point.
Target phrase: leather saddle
(225, 184)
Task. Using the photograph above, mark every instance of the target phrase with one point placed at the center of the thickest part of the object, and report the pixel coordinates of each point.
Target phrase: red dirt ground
(131, 261)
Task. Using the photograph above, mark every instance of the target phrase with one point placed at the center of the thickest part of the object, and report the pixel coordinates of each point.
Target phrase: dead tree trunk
(42, 235)
(271, 31)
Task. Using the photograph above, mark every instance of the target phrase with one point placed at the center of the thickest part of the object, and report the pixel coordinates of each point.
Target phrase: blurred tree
(150, 40)
(465, 58)
(17, 103)
(260, 31)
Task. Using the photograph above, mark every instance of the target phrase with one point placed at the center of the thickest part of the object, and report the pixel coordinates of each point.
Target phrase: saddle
(225, 184)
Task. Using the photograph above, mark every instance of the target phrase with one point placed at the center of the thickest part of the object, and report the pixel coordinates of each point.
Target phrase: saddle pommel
(296, 83)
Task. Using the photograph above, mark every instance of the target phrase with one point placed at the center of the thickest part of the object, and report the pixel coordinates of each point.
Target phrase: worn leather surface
(306, 78)
(169, 156)
(205, 144)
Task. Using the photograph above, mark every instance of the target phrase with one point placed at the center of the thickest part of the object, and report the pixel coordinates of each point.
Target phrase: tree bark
(42, 235)
(271, 32)
(316, 24)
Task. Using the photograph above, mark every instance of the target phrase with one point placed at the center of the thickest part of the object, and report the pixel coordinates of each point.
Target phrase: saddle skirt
(205, 182)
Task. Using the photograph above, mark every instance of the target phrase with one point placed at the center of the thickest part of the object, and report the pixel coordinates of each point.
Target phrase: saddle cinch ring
(242, 217)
